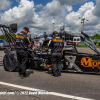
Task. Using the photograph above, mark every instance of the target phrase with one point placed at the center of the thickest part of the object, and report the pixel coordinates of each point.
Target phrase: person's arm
(32, 44)
(29, 45)
(28, 41)
(50, 43)
(62, 51)
(62, 48)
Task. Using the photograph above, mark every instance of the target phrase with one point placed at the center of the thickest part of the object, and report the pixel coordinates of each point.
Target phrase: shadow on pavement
(29, 72)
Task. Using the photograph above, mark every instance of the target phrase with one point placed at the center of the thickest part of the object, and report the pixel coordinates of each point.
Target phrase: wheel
(10, 61)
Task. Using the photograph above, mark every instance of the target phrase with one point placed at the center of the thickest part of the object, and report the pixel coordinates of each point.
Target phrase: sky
(39, 15)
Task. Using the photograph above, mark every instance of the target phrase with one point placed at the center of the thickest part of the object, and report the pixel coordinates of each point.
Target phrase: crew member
(22, 44)
(57, 46)
(46, 37)
(31, 40)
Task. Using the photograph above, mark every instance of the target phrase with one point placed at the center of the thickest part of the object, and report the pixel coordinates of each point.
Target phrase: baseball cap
(55, 32)
(27, 29)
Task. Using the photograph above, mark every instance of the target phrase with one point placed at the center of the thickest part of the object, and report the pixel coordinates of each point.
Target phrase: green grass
(82, 46)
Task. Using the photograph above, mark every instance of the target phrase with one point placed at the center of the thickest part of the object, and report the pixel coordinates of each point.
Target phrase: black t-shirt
(32, 42)
(56, 45)
(22, 41)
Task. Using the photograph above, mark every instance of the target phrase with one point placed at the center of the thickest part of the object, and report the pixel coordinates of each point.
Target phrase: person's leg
(19, 62)
(59, 66)
(24, 62)
(54, 68)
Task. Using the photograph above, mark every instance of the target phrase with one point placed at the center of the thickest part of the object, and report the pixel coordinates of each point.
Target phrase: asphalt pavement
(69, 86)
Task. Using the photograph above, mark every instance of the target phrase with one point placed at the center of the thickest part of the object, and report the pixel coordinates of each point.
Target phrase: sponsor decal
(57, 40)
(19, 37)
(63, 36)
(71, 60)
(56, 44)
(17, 40)
(36, 44)
(88, 62)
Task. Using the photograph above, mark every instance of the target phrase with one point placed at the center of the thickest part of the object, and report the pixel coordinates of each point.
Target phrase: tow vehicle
(3, 44)
(40, 58)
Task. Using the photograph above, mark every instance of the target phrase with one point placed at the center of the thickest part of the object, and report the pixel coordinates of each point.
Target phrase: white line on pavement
(52, 93)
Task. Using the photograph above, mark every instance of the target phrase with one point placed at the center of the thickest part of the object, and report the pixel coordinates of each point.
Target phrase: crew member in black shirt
(22, 44)
(46, 37)
(31, 40)
(57, 46)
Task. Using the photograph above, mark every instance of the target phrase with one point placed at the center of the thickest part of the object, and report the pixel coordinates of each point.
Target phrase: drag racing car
(72, 60)
(40, 57)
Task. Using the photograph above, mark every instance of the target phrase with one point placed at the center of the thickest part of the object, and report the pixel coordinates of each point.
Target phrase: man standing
(31, 40)
(22, 44)
(46, 37)
(57, 46)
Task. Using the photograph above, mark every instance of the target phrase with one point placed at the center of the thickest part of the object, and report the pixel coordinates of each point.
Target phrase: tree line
(96, 36)
(7, 37)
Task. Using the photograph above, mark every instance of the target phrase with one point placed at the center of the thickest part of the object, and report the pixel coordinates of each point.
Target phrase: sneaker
(54, 75)
(19, 75)
(59, 74)
(24, 76)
